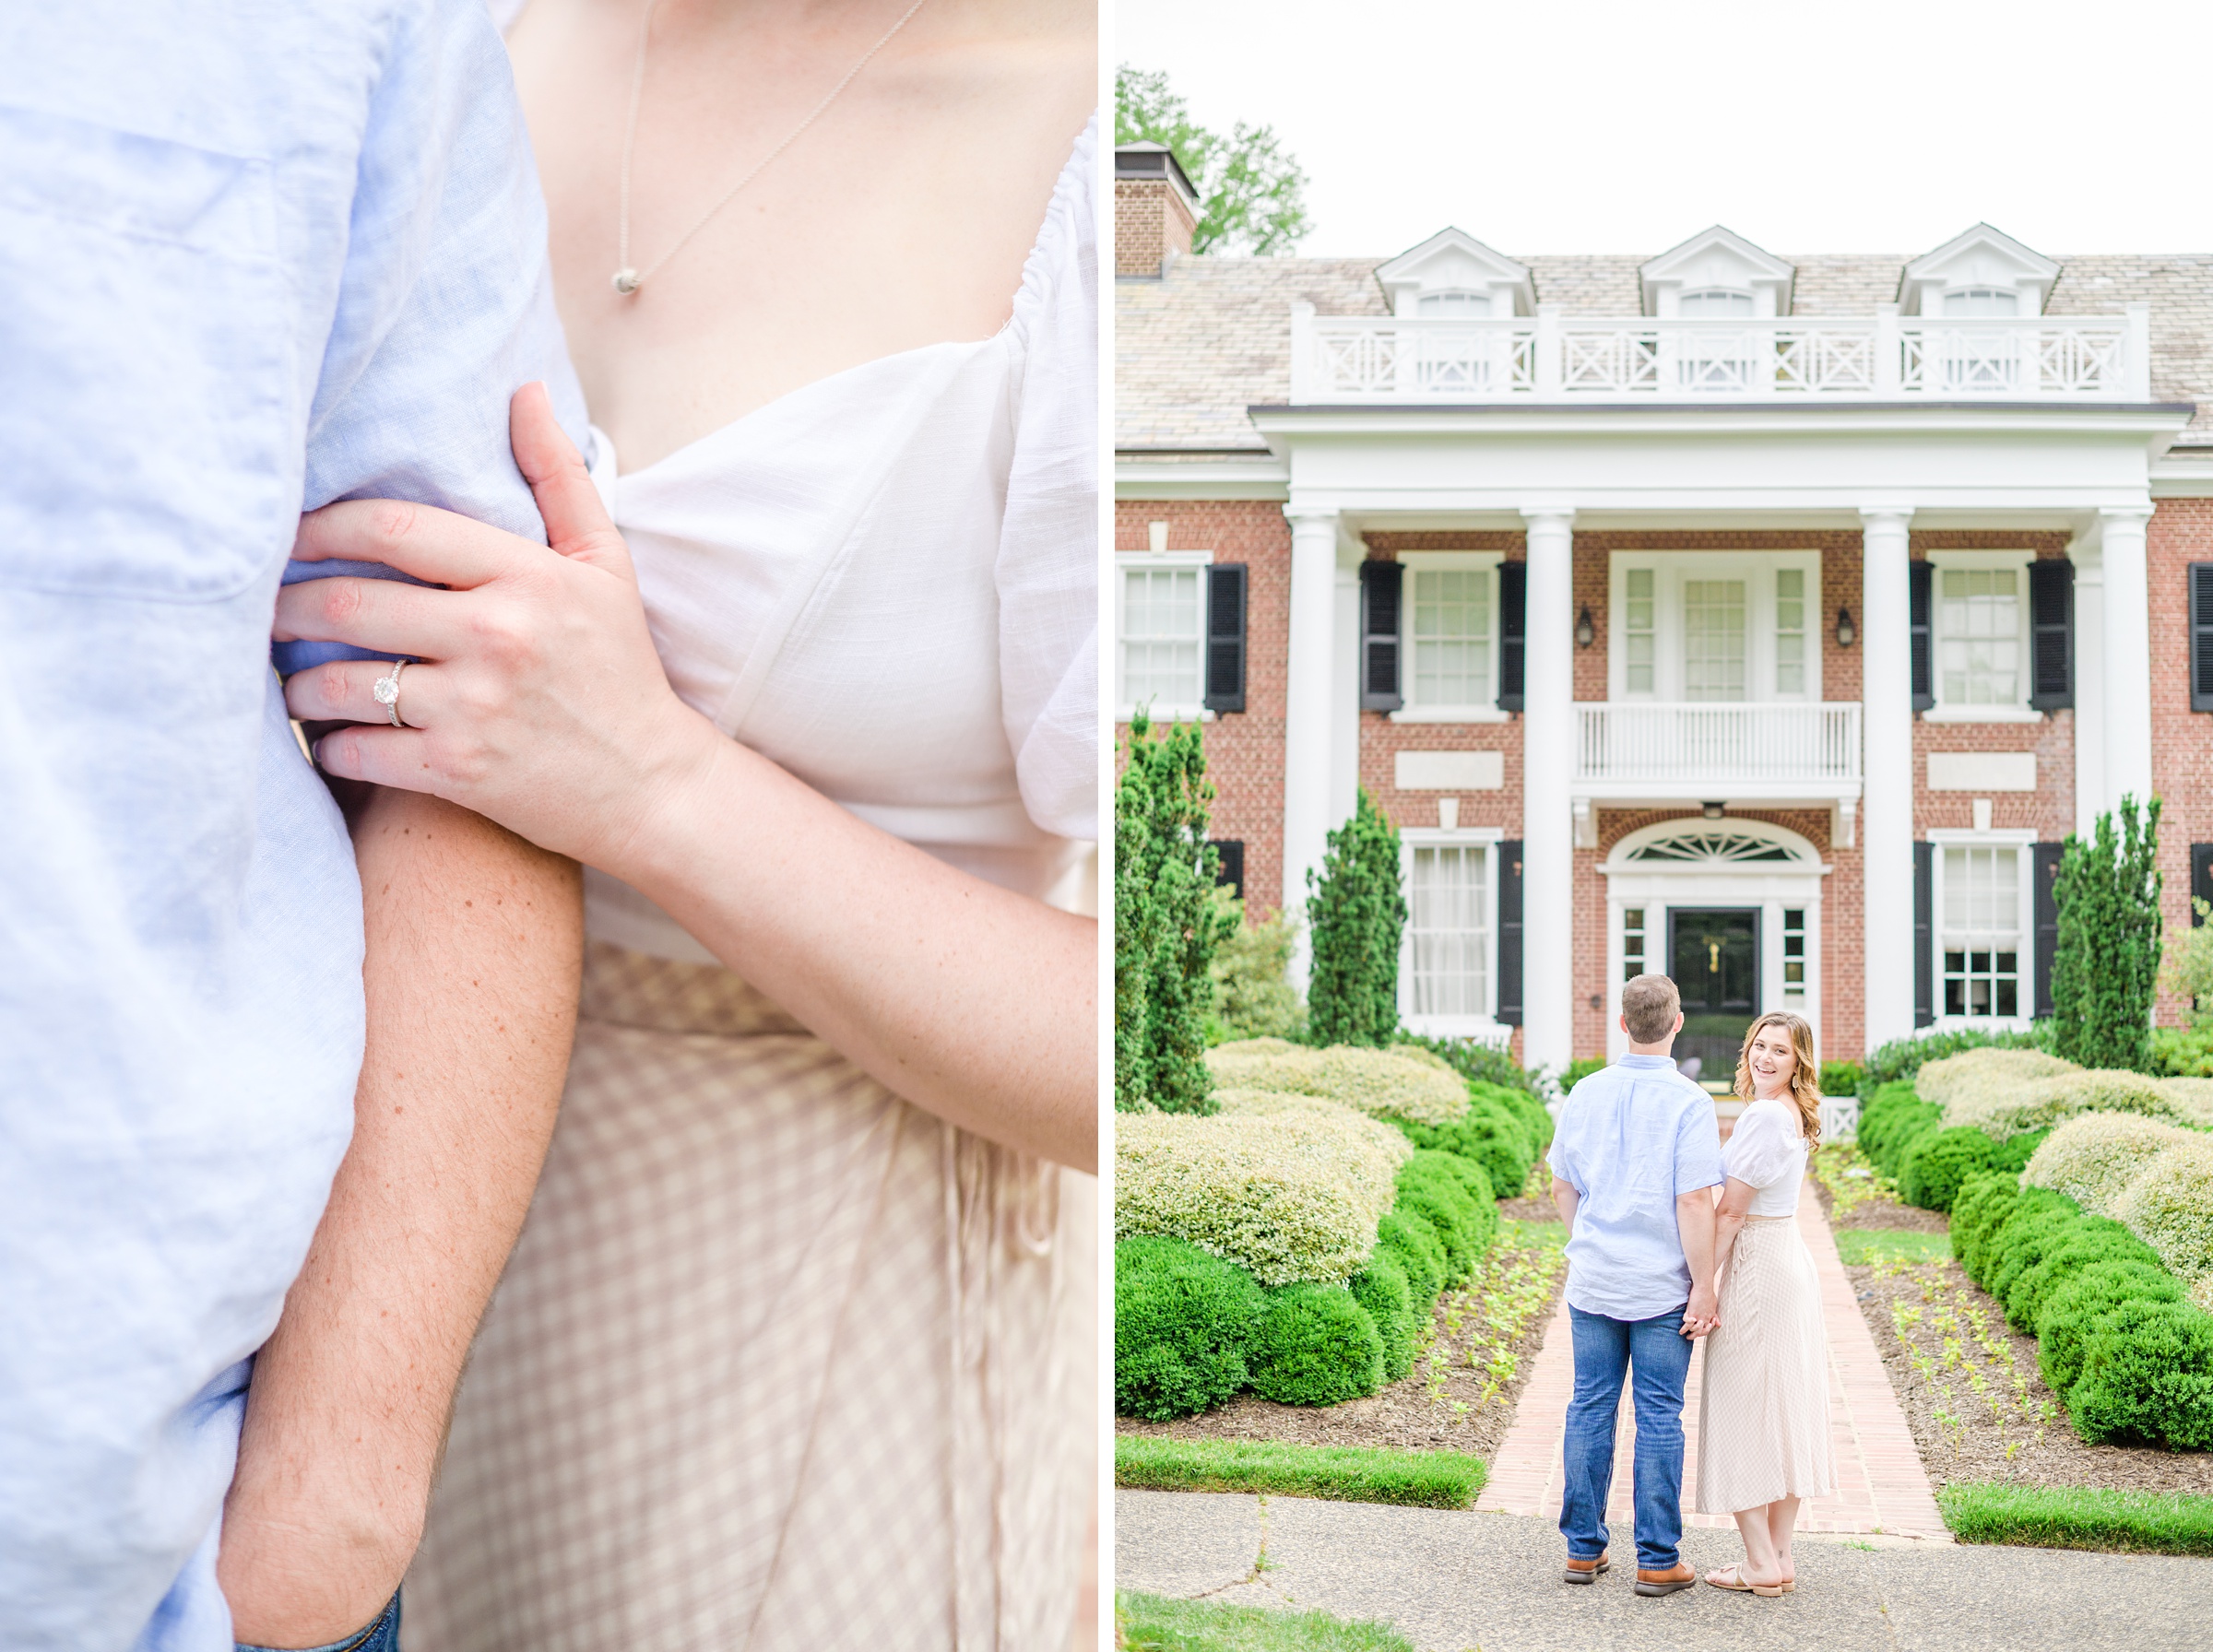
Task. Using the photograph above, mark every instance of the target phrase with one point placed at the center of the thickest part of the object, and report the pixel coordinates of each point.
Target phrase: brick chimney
(1155, 208)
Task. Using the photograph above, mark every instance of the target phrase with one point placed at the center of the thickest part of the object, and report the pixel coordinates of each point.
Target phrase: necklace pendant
(626, 281)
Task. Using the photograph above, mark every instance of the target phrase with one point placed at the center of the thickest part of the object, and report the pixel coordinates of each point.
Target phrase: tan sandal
(1737, 1584)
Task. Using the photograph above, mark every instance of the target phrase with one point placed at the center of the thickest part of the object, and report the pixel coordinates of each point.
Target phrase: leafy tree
(1252, 195)
(2108, 963)
(1253, 994)
(1165, 924)
(1356, 913)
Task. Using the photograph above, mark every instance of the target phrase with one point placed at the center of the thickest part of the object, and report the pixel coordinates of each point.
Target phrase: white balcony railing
(1352, 358)
(1728, 748)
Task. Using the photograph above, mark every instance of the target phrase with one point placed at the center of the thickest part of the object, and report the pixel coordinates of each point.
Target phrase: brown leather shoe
(1681, 1576)
(1586, 1571)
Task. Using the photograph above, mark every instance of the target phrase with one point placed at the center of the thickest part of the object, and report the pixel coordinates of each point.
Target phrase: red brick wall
(2182, 740)
(1244, 749)
(1150, 221)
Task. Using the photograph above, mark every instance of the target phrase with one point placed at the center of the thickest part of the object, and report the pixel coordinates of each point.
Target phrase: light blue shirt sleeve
(447, 304)
(1697, 1149)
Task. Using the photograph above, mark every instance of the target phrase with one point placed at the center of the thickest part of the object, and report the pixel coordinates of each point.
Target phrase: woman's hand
(539, 701)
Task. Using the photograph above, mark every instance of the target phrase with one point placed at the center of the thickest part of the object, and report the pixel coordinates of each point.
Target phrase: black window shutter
(2051, 629)
(1924, 958)
(1919, 594)
(1379, 637)
(1229, 864)
(1513, 627)
(2047, 922)
(1226, 637)
(2201, 636)
(1509, 933)
(2201, 879)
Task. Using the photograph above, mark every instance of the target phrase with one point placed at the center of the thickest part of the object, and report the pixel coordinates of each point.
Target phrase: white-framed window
(1160, 634)
(1453, 303)
(1449, 636)
(1984, 932)
(1715, 301)
(1449, 955)
(1700, 627)
(1978, 636)
(1972, 301)
(1632, 942)
(1793, 951)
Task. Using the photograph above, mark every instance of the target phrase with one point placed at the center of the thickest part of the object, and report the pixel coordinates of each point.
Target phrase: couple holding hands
(1674, 1237)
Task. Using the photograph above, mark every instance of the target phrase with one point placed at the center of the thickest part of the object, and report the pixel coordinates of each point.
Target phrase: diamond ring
(387, 692)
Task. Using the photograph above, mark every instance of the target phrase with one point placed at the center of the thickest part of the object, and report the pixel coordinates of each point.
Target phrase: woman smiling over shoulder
(1763, 1405)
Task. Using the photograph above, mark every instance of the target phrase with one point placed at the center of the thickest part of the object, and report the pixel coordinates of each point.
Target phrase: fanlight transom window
(1717, 847)
(1715, 301)
(1981, 300)
(1454, 303)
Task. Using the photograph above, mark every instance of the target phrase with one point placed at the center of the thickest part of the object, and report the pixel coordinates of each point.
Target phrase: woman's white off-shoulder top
(887, 582)
(1766, 1151)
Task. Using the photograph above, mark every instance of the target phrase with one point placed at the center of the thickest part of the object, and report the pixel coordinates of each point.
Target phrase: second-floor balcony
(1340, 360)
(1634, 753)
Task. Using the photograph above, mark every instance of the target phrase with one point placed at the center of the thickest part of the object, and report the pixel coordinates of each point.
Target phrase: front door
(1715, 954)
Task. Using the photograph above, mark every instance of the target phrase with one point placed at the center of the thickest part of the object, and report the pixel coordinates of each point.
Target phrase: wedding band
(387, 692)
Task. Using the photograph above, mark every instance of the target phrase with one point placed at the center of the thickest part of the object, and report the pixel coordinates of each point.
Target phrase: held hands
(1704, 1314)
(539, 701)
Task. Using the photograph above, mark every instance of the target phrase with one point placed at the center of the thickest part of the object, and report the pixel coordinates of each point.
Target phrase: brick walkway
(1880, 1485)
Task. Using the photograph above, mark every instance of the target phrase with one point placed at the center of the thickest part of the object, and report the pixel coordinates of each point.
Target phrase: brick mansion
(1764, 621)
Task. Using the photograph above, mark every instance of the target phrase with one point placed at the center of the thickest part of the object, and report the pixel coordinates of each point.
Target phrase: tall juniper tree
(1356, 912)
(2106, 969)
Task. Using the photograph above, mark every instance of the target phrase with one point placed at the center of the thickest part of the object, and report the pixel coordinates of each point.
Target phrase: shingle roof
(1194, 349)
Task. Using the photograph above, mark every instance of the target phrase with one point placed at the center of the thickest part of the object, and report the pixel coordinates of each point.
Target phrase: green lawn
(1154, 1624)
(1857, 1245)
(1530, 1234)
(2076, 1518)
(1343, 1473)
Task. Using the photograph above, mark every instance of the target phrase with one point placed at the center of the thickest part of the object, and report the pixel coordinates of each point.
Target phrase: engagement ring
(386, 692)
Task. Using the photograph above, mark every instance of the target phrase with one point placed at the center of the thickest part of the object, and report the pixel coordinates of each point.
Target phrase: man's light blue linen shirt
(1631, 1138)
(253, 258)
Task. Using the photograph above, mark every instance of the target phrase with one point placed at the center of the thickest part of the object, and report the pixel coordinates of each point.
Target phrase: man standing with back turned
(1634, 1165)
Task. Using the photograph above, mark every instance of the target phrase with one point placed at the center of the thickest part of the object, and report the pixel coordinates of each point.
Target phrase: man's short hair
(1649, 1004)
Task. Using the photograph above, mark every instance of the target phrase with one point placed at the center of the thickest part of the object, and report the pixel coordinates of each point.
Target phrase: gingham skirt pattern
(781, 1362)
(1763, 1396)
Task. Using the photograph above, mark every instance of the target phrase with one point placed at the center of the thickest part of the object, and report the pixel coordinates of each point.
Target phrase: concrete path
(1880, 1485)
(1453, 1581)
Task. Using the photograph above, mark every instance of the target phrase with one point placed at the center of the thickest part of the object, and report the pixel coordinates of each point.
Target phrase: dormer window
(1453, 303)
(1715, 301)
(1981, 300)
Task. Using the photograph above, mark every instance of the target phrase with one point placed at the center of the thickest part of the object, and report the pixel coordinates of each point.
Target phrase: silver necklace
(628, 279)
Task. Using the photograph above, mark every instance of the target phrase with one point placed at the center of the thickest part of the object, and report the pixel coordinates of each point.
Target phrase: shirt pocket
(145, 365)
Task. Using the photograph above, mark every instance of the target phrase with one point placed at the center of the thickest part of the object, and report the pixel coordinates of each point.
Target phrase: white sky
(1599, 126)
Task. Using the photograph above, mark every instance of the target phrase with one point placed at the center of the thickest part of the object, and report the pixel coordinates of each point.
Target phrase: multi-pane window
(1636, 630)
(1449, 930)
(1715, 301)
(1164, 624)
(1981, 300)
(1632, 942)
(1713, 639)
(1451, 633)
(1790, 630)
(1982, 937)
(1978, 636)
(1793, 948)
(1452, 304)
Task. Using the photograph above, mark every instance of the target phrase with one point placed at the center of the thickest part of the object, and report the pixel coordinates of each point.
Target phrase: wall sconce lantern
(1713, 811)
(1847, 633)
(1585, 632)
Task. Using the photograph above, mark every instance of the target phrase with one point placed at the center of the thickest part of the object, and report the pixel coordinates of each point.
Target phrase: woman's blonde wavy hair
(1805, 1078)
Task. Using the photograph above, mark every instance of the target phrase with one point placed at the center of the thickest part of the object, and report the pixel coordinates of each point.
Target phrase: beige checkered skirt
(781, 1362)
(1763, 1396)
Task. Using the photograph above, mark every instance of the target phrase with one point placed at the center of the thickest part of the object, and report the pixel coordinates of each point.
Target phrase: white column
(1547, 769)
(1344, 691)
(1887, 810)
(1310, 669)
(2127, 627)
(2089, 685)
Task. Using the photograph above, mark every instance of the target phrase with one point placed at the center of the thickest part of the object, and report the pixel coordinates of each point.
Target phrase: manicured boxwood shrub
(1983, 1201)
(1316, 1345)
(2090, 1240)
(1183, 1322)
(1412, 1243)
(1382, 1289)
(2012, 1155)
(1378, 1082)
(2021, 1244)
(1452, 1195)
(1489, 1134)
(2146, 1377)
(1890, 1121)
(1938, 1162)
(1524, 1105)
(2074, 1309)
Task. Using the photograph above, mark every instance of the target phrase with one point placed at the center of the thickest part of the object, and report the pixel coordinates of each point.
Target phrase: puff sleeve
(1763, 1149)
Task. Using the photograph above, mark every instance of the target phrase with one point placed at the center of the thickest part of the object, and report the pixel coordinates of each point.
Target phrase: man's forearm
(474, 946)
(1694, 1225)
(1564, 1200)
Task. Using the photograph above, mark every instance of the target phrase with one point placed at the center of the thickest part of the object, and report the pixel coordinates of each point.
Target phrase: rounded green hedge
(1412, 1243)
(1383, 1290)
(1535, 1117)
(1316, 1345)
(2072, 1310)
(2148, 1376)
(1490, 1134)
(2013, 1154)
(1890, 1121)
(1938, 1162)
(2021, 1244)
(1184, 1322)
(2089, 1240)
(1436, 1188)
(1983, 1201)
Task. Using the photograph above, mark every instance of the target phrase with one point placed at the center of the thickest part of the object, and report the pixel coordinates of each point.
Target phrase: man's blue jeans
(383, 1635)
(1659, 1354)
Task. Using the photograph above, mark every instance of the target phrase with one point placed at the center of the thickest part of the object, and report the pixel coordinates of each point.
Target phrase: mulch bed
(1965, 1437)
(1413, 1413)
